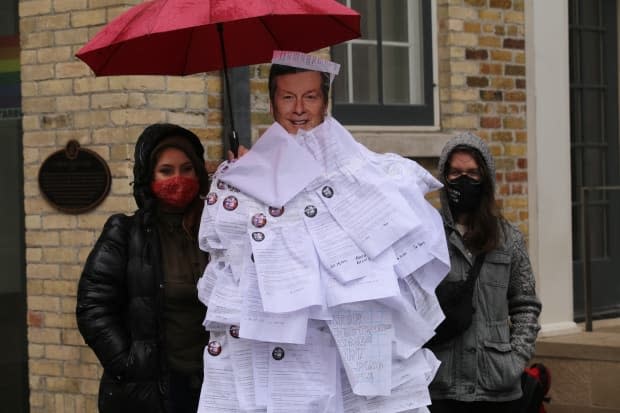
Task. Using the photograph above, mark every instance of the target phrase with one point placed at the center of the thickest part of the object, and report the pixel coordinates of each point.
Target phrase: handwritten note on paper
(405, 398)
(337, 251)
(428, 248)
(410, 395)
(364, 334)
(379, 282)
(288, 270)
(257, 324)
(411, 252)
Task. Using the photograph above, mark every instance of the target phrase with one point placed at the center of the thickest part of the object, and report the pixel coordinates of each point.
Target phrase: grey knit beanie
(470, 140)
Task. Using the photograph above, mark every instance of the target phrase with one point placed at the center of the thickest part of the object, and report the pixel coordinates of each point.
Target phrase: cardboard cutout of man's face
(298, 102)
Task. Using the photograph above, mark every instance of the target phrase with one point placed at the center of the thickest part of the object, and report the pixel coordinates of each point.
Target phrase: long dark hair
(193, 211)
(483, 231)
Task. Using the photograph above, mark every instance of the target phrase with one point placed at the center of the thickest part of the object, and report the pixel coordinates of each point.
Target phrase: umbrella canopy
(181, 37)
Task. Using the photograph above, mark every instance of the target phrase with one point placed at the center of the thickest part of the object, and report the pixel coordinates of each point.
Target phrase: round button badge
(327, 191)
(277, 353)
(258, 236)
(276, 212)
(214, 348)
(310, 211)
(259, 220)
(221, 185)
(230, 203)
(234, 331)
(211, 198)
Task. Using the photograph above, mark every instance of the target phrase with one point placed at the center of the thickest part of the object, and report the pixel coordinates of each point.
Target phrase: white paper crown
(305, 61)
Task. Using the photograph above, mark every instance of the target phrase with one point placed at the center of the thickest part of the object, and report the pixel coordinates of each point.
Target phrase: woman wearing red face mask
(137, 305)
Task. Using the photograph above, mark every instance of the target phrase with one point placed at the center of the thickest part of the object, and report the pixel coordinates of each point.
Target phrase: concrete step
(585, 369)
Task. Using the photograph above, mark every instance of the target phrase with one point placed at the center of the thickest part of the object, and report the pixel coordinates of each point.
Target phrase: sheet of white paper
(235, 257)
(383, 216)
(412, 252)
(330, 144)
(304, 379)
(207, 236)
(428, 248)
(270, 171)
(288, 270)
(426, 303)
(405, 173)
(217, 394)
(243, 371)
(225, 301)
(411, 330)
(420, 368)
(363, 333)
(430, 275)
(260, 356)
(257, 324)
(206, 283)
(405, 398)
(380, 282)
(232, 218)
(320, 312)
(337, 252)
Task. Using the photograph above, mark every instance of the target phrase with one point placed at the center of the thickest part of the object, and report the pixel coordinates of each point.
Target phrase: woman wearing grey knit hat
(482, 359)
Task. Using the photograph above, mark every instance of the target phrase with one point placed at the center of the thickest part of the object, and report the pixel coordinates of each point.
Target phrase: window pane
(386, 75)
(367, 11)
(591, 57)
(396, 75)
(341, 82)
(592, 115)
(365, 89)
(394, 21)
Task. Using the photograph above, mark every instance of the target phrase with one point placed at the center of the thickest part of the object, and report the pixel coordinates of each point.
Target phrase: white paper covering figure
(320, 290)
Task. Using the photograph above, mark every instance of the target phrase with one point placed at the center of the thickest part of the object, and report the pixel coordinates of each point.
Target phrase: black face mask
(463, 194)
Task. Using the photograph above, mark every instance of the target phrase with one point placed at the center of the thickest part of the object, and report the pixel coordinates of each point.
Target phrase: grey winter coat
(485, 362)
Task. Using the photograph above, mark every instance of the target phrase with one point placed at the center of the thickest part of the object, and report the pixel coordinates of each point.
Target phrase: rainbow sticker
(10, 91)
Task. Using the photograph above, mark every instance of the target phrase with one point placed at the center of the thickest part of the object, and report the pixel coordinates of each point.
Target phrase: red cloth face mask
(177, 191)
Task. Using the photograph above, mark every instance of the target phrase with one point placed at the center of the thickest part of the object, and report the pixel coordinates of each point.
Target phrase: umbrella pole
(233, 138)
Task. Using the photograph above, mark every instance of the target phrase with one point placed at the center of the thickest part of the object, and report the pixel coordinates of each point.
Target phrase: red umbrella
(180, 37)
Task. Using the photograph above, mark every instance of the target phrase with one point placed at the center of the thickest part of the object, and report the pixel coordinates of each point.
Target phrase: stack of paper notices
(320, 289)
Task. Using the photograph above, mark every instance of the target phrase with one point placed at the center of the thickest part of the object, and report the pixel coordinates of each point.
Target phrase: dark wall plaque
(74, 180)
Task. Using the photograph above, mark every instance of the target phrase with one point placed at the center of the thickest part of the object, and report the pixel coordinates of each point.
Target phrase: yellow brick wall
(62, 100)
(481, 87)
(481, 49)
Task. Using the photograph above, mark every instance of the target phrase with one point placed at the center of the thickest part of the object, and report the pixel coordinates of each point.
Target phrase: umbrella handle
(233, 138)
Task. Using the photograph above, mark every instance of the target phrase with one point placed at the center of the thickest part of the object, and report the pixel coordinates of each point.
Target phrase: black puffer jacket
(120, 294)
